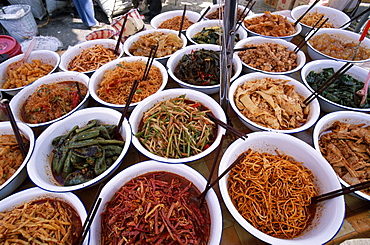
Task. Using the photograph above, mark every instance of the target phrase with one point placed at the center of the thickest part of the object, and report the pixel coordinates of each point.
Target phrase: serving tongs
(364, 91)
(362, 37)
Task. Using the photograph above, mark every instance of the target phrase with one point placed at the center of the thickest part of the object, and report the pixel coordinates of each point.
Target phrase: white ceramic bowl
(33, 194)
(298, 28)
(327, 105)
(214, 7)
(174, 60)
(329, 217)
(128, 43)
(336, 17)
(198, 27)
(326, 122)
(98, 76)
(301, 57)
(20, 174)
(39, 167)
(160, 18)
(16, 104)
(314, 106)
(152, 166)
(46, 57)
(72, 52)
(193, 95)
(345, 35)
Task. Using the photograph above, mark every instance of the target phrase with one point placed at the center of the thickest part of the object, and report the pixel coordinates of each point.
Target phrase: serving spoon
(16, 64)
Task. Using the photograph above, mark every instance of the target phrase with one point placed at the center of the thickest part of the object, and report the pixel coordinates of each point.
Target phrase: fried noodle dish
(116, 84)
(271, 57)
(271, 103)
(26, 74)
(311, 19)
(53, 100)
(273, 193)
(176, 128)
(45, 221)
(347, 148)
(91, 59)
(10, 156)
(270, 25)
(175, 22)
(167, 44)
(156, 208)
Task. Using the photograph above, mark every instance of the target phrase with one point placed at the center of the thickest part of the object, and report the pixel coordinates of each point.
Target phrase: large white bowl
(214, 7)
(72, 52)
(348, 36)
(301, 57)
(198, 27)
(336, 17)
(329, 215)
(135, 37)
(33, 194)
(326, 122)
(39, 167)
(20, 174)
(98, 76)
(326, 105)
(16, 104)
(160, 18)
(152, 166)
(45, 56)
(314, 106)
(298, 28)
(174, 60)
(193, 95)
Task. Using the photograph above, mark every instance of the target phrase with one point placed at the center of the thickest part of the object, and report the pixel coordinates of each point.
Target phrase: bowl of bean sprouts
(172, 125)
(276, 177)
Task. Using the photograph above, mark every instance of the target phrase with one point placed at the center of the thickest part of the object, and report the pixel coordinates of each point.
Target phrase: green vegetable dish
(84, 153)
(211, 35)
(342, 92)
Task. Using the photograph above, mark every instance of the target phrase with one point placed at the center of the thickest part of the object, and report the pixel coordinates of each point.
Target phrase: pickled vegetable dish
(342, 91)
(176, 128)
(53, 100)
(156, 208)
(200, 67)
(211, 35)
(84, 153)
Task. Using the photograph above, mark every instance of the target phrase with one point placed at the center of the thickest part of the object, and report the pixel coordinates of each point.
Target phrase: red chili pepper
(206, 146)
(75, 99)
(195, 105)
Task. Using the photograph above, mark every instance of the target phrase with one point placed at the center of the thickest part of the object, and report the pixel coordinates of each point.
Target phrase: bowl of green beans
(79, 151)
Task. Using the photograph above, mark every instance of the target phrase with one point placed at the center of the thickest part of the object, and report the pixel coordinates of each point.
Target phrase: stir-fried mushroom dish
(347, 149)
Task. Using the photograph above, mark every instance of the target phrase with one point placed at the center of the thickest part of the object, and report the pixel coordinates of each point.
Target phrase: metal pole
(228, 38)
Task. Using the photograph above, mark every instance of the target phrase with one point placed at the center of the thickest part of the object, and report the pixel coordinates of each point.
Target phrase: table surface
(355, 225)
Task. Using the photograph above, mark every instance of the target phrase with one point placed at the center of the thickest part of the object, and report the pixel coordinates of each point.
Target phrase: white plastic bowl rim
(193, 95)
(313, 115)
(298, 26)
(336, 17)
(350, 37)
(175, 58)
(319, 65)
(160, 18)
(326, 122)
(328, 220)
(98, 75)
(32, 194)
(301, 57)
(135, 37)
(39, 166)
(19, 99)
(6, 128)
(198, 27)
(141, 168)
(45, 56)
(72, 52)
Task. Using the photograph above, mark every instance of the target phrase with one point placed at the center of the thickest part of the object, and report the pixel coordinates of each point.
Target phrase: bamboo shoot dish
(156, 208)
(271, 103)
(176, 128)
(84, 153)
